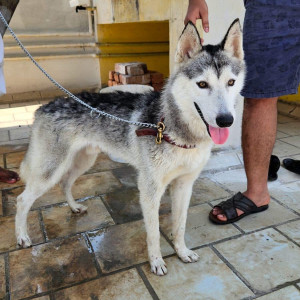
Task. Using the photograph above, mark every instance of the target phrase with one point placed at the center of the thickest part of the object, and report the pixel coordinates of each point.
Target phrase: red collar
(153, 132)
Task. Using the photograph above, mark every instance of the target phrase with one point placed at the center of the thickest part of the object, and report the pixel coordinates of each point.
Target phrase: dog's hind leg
(150, 195)
(83, 160)
(181, 191)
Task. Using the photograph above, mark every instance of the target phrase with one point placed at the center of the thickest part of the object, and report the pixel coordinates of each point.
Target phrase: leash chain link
(149, 125)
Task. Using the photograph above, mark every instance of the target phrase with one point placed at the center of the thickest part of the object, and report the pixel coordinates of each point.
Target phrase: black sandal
(292, 165)
(229, 207)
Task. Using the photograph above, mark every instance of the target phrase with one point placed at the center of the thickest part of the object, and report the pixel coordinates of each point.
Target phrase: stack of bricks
(135, 73)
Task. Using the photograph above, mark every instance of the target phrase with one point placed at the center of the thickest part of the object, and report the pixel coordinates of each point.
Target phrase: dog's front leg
(150, 195)
(181, 191)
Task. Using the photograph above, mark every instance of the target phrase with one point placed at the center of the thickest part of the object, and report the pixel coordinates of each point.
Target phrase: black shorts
(272, 48)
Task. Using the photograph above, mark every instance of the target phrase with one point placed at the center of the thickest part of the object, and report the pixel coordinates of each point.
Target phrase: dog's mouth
(217, 134)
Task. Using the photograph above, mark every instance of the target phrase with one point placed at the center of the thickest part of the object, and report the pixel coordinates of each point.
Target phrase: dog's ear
(189, 43)
(233, 41)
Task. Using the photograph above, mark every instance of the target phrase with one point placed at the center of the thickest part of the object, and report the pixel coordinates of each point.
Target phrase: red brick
(116, 77)
(131, 68)
(110, 82)
(157, 86)
(140, 79)
(111, 75)
(156, 77)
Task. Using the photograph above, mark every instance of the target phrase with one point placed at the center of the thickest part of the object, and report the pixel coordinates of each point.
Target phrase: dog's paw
(78, 208)
(24, 241)
(188, 256)
(158, 266)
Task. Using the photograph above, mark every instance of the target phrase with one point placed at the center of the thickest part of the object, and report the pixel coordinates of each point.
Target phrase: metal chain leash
(99, 112)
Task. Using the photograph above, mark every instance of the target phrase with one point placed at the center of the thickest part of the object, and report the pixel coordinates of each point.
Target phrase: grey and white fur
(66, 140)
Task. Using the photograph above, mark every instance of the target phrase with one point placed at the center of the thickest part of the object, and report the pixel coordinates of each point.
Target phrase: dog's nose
(224, 120)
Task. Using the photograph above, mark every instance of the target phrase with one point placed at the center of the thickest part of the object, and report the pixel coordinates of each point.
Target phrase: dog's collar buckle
(160, 129)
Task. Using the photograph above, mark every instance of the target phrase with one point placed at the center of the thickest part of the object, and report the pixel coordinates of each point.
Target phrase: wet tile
(292, 230)
(61, 221)
(20, 133)
(13, 160)
(209, 278)
(283, 149)
(291, 128)
(43, 298)
(7, 229)
(86, 185)
(1, 161)
(104, 163)
(124, 285)
(287, 293)
(49, 266)
(205, 190)
(221, 160)
(293, 140)
(127, 176)
(125, 206)
(287, 194)
(1, 208)
(121, 246)
(13, 148)
(275, 214)
(2, 278)
(199, 230)
(265, 259)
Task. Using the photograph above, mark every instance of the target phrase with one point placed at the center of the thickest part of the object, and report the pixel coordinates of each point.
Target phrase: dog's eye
(202, 85)
(231, 82)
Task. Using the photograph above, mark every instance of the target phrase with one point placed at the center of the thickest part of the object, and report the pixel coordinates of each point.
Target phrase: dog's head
(209, 78)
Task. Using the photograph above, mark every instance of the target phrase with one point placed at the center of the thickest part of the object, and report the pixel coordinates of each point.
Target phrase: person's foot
(8, 176)
(260, 201)
(292, 165)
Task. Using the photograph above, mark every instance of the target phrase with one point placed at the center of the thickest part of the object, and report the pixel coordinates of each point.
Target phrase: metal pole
(7, 8)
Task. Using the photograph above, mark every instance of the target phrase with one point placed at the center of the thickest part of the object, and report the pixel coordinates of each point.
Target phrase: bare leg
(181, 191)
(258, 138)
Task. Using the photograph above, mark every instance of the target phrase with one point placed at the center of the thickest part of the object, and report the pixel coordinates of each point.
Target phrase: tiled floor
(102, 254)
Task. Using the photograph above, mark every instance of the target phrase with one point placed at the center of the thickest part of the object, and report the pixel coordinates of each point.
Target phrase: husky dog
(197, 106)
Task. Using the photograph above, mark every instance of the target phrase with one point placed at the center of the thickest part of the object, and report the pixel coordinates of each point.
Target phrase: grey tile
(199, 230)
(205, 190)
(266, 259)
(293, 140)
(285, 176)
(20, 133)
(221, 160)
(288, 194)
(287, 293)
(123, 285)
(121, 246)
(4, 137)
(283, 149)
(284, 119)
(291, 128)
(281, 135)
(273, 215)
(209, 278)
(292, 230)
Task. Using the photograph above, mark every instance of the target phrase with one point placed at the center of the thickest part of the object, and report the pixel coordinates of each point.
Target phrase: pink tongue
(219, 135)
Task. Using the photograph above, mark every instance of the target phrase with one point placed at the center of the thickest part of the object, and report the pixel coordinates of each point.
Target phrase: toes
(158, 267)
(79, 209)
(221, 217)
(24, 242)
(188, 256)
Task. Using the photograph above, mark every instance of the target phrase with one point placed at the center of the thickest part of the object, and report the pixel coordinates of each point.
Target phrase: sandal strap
(239, 201)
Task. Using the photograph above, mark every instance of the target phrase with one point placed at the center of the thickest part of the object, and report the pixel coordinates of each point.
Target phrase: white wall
(48, 16)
